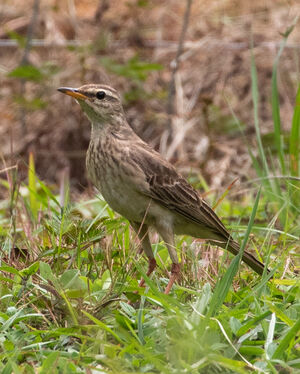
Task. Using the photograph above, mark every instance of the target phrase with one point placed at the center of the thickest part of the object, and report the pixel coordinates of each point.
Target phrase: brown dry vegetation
(213, 79)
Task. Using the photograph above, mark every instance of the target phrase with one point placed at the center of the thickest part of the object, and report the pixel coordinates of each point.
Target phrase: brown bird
(143, 187)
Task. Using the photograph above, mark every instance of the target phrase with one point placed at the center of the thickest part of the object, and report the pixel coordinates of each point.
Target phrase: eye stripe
(111, 98)
(91, 91)
(108, 94)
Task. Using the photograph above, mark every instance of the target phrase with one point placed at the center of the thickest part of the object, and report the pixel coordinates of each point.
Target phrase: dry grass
(213, 79)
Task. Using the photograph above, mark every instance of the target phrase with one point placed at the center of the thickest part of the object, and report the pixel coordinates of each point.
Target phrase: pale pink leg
(151, 267)
(175, 270)
(142, 231)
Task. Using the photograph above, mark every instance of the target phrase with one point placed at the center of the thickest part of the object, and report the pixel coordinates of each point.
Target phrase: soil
(84, 41)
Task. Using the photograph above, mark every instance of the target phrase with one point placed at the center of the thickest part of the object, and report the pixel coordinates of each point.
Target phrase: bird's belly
(130, 205)
(122, 198)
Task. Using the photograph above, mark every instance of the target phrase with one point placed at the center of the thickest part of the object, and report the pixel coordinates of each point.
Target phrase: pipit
(143, 187)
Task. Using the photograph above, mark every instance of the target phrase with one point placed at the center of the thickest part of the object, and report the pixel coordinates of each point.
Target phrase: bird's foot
(175, 270)
(151, 267)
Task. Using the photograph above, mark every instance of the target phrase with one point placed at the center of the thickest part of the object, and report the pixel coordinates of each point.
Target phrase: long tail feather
(248, 258)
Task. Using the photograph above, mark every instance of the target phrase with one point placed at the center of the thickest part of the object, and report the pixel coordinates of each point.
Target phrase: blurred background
(182, 67)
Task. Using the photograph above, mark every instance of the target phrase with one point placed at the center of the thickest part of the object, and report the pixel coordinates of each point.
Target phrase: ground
(131, 45)
(70, 266)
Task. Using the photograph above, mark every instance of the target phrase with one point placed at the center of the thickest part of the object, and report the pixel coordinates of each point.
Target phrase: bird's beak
(72, 92)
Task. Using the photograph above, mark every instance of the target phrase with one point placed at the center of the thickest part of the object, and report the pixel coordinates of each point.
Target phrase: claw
(175, 270)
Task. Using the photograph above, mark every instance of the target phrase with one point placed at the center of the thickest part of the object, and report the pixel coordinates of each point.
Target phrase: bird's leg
(167, 234)
(151, 267)
(175, 270)
(142, 232)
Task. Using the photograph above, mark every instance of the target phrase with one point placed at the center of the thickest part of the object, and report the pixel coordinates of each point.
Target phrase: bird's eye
(100, 95)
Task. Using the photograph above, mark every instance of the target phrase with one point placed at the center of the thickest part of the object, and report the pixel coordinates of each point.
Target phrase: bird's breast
(111, 172)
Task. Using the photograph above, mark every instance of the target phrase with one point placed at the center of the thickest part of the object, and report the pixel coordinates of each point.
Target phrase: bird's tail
(233, 247)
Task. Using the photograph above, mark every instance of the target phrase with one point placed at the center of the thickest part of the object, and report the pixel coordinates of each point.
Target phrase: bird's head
(100, 103)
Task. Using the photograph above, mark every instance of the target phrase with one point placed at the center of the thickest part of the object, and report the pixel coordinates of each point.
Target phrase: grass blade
(225, 282)
(295, 138)
(32, 186)
(276, 106)
(270, 336)
(287, 340)
(103, 326)
(255, 98)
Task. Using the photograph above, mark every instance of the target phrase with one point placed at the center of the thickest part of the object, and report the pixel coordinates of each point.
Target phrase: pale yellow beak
(72, 92)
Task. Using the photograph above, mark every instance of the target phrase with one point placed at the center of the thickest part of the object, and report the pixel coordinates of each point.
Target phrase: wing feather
(171, 190)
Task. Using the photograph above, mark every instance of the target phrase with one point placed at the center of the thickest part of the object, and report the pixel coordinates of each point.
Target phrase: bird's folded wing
(167, 187)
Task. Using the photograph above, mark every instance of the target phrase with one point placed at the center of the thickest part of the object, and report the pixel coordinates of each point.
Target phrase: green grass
(68, 272)
(69, 268)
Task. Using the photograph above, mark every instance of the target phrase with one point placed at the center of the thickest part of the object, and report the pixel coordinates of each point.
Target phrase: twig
(43, 43)
(166, 45)
(30, 32)
(8, 168)
(103, 6)
(175, 63)
(25, 57)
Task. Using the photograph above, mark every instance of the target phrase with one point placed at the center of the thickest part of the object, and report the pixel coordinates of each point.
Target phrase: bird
(139, 184)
